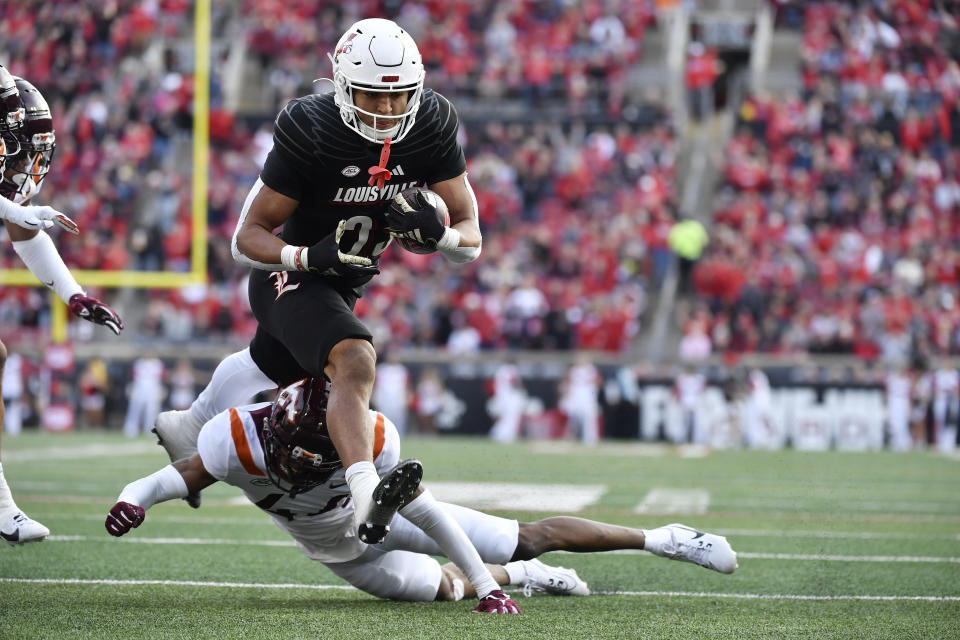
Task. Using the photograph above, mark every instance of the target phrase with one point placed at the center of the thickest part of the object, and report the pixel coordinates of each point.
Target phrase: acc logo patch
(351, 171)
(261, 482)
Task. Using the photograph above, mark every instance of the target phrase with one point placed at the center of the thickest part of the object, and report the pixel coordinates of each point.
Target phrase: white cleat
(177, 432)
(20, 529)
(705, 549)
(556, 581)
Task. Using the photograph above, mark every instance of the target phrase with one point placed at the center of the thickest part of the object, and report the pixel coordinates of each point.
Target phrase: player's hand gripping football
(89, 308)
(123, 517)
(40, 217)
(496, 602)
(327, 257)
(415, 218)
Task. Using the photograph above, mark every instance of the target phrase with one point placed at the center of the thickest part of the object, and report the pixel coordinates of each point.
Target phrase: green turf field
(831, 545)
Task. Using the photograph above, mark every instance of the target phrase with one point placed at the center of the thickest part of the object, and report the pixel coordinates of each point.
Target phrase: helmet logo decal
(347, 46)
(292, 399)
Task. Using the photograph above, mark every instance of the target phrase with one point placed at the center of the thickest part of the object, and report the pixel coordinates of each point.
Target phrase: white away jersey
(321, 519)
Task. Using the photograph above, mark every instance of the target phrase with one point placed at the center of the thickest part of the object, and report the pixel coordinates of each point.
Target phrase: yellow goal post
(198, 249)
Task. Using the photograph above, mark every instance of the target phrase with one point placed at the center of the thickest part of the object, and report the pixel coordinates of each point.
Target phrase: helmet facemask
(377, 56)
(297, 448)
(32, 164)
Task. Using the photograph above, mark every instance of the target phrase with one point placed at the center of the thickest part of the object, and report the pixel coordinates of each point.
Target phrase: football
(418, 198)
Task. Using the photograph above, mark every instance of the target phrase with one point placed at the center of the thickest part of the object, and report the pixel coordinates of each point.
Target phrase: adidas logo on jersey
(397, 170)
(370, 194)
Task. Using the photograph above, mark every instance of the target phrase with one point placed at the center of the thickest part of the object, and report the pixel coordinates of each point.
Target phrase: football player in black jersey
(337, 162)
(26, 148)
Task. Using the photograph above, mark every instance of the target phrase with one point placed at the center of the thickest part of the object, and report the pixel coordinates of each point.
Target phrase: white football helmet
(377, 55)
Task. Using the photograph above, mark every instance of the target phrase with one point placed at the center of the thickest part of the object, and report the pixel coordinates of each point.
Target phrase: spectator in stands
(703, 69)
(120, 170)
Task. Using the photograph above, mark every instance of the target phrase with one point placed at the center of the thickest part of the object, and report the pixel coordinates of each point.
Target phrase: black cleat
(394, 489)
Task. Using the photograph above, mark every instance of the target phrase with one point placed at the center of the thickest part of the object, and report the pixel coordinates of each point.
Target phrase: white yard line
(846, 558)
(182, 583)
(185, 541)
(290, 543)
(853, 535)
(752, 533)
(338, 587)
(816, 557)
(776, 596)
(863, 506)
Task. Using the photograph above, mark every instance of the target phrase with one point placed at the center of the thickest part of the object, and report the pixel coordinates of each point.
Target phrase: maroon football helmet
(37, 142)
(12, 117)
(297, 448)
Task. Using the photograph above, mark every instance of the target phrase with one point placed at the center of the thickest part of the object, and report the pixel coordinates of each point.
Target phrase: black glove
(89, 308)
(416, 218)
(326, 257)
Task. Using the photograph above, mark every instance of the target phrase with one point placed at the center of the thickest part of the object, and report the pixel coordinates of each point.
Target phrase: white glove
(36, 217)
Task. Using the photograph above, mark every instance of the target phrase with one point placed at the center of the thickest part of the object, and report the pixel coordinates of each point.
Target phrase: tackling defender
(337, 162)
(27, 141)
(281, 456)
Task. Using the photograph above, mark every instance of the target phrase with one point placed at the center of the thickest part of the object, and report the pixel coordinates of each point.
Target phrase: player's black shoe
(392, 491)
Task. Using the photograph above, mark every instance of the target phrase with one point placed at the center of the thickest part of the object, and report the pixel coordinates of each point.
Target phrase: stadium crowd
(841, 195)
(836, 226)
(566, 275)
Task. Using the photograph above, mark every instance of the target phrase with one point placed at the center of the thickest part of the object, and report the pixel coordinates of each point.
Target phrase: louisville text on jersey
(370, 194)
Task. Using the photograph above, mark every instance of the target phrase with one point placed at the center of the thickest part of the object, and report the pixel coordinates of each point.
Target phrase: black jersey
(319, 161)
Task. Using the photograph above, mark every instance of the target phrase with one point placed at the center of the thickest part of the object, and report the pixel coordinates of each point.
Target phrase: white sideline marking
(290, 543)
(862, 506)
(816, 556)
(774, 596)
(856, 535)
(810, 556)
(663, 500)
(339, 587)
(182, 583)
(754, 533)
(211, 541)
(86, 451)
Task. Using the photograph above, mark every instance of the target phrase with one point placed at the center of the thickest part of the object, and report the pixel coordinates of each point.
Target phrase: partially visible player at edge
(282, 458)
(27, 141)
(337, 162)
